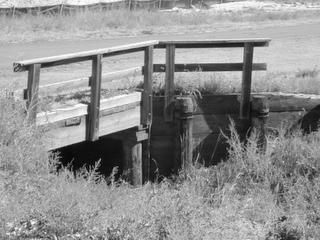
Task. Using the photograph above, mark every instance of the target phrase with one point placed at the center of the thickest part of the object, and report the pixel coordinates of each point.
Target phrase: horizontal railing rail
(216, 43)
(46, 62)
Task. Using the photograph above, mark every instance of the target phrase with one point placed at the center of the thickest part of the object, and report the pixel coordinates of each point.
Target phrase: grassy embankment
(104, 24)
(253, 195)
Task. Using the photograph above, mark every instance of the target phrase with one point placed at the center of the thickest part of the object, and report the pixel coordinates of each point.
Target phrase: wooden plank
(82, 56)
(146, 114)
(120, 121)
(109, 105)
(169, 83)
(32, 91)
(287, 102)
(216, 43)
(94, 107)
(246, 81)
(60, 135)
(61, 114)
(209, 67)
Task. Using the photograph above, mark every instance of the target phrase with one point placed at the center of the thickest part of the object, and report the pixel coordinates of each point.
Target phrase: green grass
(244, 197)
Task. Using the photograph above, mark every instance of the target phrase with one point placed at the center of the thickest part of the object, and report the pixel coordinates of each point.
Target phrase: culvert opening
(87, 154)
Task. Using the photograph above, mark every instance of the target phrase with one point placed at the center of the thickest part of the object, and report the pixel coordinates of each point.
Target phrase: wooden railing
(33, 67)
(170, 67)
(247, 66)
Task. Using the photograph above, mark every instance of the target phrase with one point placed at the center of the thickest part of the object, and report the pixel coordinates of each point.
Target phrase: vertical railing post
(94, 107)
(146, 118)
(169, 83)
(147, 86)
(246, 81)
(32, 91)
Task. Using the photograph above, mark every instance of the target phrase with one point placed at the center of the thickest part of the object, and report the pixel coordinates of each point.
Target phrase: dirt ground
(295, 45)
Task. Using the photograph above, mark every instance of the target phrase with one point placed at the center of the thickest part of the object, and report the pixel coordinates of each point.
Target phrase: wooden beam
(246, 81)
(146, 118)
(216, 43)
(169, 82)
(259, 116)
(184, 106)
(209, 67)
(32, 91)
(82, 56)
(94, 107)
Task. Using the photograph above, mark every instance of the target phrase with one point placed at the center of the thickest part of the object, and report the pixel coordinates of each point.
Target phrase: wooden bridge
(100, 117)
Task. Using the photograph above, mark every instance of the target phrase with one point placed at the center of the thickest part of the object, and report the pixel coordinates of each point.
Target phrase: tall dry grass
(104, 24)
(253, 195)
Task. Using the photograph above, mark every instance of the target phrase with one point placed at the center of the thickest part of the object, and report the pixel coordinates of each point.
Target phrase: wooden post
(184, 106)
(259, 116)
(146, 117)
(136, 165)
(32, 91)
(94, 107)
(246, 81)
(169, 83)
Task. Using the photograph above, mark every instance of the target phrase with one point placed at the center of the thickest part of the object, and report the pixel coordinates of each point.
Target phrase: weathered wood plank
(246, 81)
(217, 43)
(209, 67)
(120, 121)
(286, 102)
(60, 135)
(94, 107)
(82, 56)
(184, 106)
(32, 92)
(109, 105)
(169, 83)
(146, 118)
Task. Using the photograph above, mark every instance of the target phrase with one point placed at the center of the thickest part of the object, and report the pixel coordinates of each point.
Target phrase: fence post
(94, 107)
(259, 117)
(146, 117)
(169, 83)
(246, 81)
(184, 106)
(33, 91)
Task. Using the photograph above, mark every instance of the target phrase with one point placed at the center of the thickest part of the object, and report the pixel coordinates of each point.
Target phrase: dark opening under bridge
(134, 111)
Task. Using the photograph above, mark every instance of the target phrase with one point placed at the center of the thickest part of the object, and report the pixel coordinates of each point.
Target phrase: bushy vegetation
(253, 195)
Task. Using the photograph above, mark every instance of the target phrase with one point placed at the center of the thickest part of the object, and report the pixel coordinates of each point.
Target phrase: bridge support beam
(136, 156)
